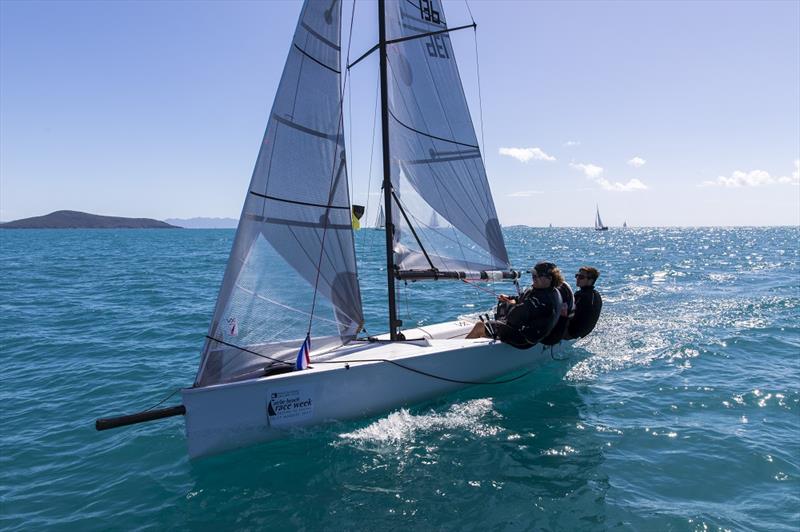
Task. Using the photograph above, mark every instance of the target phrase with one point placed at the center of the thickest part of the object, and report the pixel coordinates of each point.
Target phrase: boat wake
(475, 417)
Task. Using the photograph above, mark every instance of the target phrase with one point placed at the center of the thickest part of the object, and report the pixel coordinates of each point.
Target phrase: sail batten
(452, 141)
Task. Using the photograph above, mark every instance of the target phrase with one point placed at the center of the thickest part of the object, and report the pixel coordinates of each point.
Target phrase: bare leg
(478, 331)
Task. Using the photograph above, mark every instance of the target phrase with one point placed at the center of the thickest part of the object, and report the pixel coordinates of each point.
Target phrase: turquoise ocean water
(681, 411)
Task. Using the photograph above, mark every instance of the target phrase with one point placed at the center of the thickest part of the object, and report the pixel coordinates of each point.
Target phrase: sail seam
(296, 202)
(432, 136)
(317, 61)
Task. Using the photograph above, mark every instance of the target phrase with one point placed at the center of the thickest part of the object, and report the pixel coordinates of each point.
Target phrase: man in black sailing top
(588, 304)
(523, 320)
(567, 313)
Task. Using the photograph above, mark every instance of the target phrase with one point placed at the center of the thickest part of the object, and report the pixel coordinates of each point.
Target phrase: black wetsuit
(588, 304)
(567, 313)
(531, 319)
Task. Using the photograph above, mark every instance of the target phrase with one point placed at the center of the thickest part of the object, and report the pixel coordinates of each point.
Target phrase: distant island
(204, 223)
(83, 220)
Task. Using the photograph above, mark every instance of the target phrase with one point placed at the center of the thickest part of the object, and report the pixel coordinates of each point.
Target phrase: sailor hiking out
(524, 320)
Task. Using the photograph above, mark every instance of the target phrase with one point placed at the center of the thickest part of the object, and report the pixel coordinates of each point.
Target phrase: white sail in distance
(598, 223)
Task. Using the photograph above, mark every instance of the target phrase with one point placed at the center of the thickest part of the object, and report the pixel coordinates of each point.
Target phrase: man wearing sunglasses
(588, 303)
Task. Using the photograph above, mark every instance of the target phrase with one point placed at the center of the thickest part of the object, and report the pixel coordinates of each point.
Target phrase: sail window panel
(314, 241)
(447, 247)
(269, 313)
(266, 314)
(318, 244)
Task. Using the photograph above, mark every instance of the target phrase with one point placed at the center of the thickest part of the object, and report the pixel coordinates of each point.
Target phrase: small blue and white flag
(303, 359)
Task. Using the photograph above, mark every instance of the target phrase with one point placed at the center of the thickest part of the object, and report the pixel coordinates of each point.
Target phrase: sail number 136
(427, 12)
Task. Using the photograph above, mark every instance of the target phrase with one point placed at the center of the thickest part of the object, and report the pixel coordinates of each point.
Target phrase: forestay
(294, 235)
(436, 160)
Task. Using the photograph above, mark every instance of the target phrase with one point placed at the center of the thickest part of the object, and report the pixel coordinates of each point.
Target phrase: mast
(387, 178)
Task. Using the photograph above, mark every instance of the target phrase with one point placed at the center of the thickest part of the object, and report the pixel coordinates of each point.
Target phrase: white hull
(358, 383)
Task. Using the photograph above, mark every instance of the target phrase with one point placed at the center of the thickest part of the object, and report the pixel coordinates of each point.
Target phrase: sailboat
(598, 223)
(625, 224)
(285, 347)
(380, 221)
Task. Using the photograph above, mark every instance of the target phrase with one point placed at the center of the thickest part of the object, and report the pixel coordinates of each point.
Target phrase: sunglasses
(581, 276)
(534, 275)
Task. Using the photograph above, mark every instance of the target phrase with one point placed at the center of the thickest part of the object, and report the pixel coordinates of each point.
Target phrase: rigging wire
(426, 374)
(351, 159)
(470, 12)
(480, 96)
(176, 390)
(480, 101)
(371, 157)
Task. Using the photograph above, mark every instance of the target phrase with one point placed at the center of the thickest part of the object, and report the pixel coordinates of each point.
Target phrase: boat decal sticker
(290, 406)
(233, 327)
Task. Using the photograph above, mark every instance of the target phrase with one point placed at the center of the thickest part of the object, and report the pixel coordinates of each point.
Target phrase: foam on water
(402, 426)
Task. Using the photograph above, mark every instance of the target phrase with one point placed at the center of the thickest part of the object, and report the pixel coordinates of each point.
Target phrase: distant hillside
(83, 220)
(204, 223)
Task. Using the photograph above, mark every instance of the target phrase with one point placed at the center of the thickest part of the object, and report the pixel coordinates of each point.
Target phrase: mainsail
(598, 223)
(293, 254)
(436, 160)
(380, 221)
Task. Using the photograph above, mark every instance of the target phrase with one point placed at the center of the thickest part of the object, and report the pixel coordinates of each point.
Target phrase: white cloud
(637, 162)
(525, 193)
(526, 154)
(754, 178)
(571, 143)
(594, 172)
(591, 171)
(616, 186)
(795, 179)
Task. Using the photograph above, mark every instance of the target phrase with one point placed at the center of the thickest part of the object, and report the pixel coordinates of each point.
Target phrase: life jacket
(536, 314)
(567, 312)
(588, 307)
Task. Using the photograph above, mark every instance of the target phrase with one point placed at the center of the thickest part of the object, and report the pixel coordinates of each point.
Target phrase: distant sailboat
(624, 224)
(434, 221)
(380, 222)
(598, 223)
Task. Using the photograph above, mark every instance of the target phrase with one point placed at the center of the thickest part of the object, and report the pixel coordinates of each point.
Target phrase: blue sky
(662, 113)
